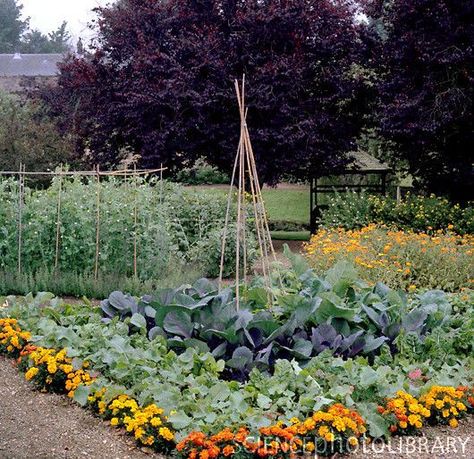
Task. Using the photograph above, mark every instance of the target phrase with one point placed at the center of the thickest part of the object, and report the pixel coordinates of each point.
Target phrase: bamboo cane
(21, 185)
(135, 229)
(97, 230)
(58, 221)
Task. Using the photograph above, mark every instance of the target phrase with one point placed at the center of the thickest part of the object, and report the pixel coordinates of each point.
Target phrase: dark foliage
(160, 83)
(337, 314)
(426, 90)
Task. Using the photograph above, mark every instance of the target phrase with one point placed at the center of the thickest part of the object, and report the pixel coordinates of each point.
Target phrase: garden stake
(161, 184)
(21, 186)
(226, 222)
(135, 222)
(97, 230)
(58, 220)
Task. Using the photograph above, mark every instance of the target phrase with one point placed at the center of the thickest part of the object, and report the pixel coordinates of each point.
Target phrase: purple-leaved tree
(426, 89)
(160, 82)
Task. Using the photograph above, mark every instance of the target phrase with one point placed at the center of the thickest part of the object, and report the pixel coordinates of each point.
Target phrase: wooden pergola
(364, 173)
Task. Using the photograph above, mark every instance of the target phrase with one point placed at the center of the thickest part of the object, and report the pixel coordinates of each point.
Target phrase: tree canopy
(12, 26)
(15, 35)
(57, 41)
(160, 83)
(426, 89)
(28, 136)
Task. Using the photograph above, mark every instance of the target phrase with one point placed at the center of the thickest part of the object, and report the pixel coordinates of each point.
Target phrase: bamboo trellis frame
(97, 173)
(245, 166)
(93, 173)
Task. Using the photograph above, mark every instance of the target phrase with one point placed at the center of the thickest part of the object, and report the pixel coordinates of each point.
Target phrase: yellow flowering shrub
(147, 424)
(446, 403)
(400, 259)
(52, 371)
(440, 405)
(12, 337)
(406, 413)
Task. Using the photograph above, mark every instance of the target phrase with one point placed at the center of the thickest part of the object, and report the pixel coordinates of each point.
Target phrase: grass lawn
(290, 235)
(286, 203)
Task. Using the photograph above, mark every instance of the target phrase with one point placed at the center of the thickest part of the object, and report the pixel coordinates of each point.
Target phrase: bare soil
(34, 425)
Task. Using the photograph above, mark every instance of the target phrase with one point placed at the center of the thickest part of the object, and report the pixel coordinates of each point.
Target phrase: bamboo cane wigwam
(245, 167)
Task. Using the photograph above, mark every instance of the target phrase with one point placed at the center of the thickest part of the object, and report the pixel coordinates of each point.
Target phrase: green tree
(12, 26)
(60, 39)
(28, 136)
(35, 42)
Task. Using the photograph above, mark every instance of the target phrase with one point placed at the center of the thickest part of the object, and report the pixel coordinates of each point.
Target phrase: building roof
(362, 161)
(12, 65)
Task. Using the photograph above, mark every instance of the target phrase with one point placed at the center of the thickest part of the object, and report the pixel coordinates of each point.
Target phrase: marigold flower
(453, 422)
(228, 450)
(31, 373)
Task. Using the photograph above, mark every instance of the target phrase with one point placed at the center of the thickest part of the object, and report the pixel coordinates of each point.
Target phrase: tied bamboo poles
(246, 168)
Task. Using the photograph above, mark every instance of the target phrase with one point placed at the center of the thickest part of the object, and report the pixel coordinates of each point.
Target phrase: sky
(47, 15)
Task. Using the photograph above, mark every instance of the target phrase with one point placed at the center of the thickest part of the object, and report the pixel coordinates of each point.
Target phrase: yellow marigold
(67, 368)
(353, 441)
(460, 406)
(166, 433)
(329, 436)
(323, 430)
(156, 422)
(453, 422)
(52, 368)
(31, 373)
(339, 424)
(139, 432)
(148, 441)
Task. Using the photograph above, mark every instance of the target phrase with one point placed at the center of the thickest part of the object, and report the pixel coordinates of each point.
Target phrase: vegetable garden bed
(331, 363)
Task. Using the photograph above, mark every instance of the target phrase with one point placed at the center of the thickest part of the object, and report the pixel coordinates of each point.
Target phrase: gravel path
(439, 442)
(46, 426)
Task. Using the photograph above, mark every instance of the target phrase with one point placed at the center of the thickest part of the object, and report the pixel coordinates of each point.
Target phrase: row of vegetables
(332, 428)
(309, 314)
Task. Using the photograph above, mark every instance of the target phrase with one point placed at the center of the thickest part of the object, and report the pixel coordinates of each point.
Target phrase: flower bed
(400, 259)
